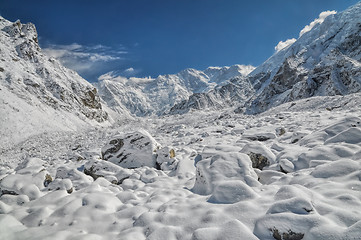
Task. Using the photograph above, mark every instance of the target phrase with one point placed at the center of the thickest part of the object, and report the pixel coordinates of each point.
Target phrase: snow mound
(215, 171)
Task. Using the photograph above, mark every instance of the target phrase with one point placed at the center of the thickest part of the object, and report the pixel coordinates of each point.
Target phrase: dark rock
(132, 150)
(258, 160)
(9, 192)
(280, 131)
(91, 172)
(290, 235)
(48, 179)
(115, 146)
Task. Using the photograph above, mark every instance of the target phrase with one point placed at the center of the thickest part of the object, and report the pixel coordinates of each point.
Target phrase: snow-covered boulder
(110, 171)
(28, 180)
(336, 169)
(78, 178)
(132, 150)
(231, 192)
(258, 135)
(228, 231)
(224, 169)
(328, 133)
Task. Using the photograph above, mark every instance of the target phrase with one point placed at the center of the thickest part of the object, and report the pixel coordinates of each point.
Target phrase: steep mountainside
(325, 61)
(38, 93)
(236, 90)
(145, 96)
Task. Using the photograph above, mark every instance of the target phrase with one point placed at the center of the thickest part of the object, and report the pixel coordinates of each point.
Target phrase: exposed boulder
(259, 154)
(110, 171)
(289, 235)
(131, 150)
(258, 134)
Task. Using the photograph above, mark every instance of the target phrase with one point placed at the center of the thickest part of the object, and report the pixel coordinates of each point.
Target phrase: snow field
(308, 188)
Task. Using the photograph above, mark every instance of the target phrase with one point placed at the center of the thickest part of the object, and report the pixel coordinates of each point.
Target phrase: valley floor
(309, 187)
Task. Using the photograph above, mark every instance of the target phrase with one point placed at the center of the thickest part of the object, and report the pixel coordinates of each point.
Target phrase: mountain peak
(39, 91)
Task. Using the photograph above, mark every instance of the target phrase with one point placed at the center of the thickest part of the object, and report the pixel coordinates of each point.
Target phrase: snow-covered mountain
(38, 94)
(291, 172)
(324, 61)
(233, 91)
(145, 96)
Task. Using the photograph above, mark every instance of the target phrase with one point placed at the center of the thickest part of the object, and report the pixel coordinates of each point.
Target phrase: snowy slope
(324, 61)
(38, 94)
(289, 173)
(145, 96)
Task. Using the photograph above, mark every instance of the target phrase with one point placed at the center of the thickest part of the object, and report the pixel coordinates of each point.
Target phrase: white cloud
(281, 45)
(318, 20)
(83, 58)
(115, 77)
(112, 76)
(129, 70)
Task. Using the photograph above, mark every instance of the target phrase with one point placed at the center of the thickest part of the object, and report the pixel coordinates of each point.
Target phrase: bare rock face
(132, 150)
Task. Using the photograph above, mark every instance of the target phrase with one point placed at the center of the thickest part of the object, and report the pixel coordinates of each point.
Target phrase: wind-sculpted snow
(208, 186)
(38, 94)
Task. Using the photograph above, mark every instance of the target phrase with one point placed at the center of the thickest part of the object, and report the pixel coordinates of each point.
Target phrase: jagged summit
(36, 92)
(323, 61)
(146, 96)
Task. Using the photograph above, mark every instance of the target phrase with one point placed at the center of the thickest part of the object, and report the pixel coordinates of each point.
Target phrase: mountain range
(38, 92)
(238, 152)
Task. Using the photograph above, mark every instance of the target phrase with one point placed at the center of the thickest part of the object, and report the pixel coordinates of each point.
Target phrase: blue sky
(151, 37)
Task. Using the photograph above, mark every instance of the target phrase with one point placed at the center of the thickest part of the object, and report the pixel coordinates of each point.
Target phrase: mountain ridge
(147, 96)
(37, 92)
(323, 61)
